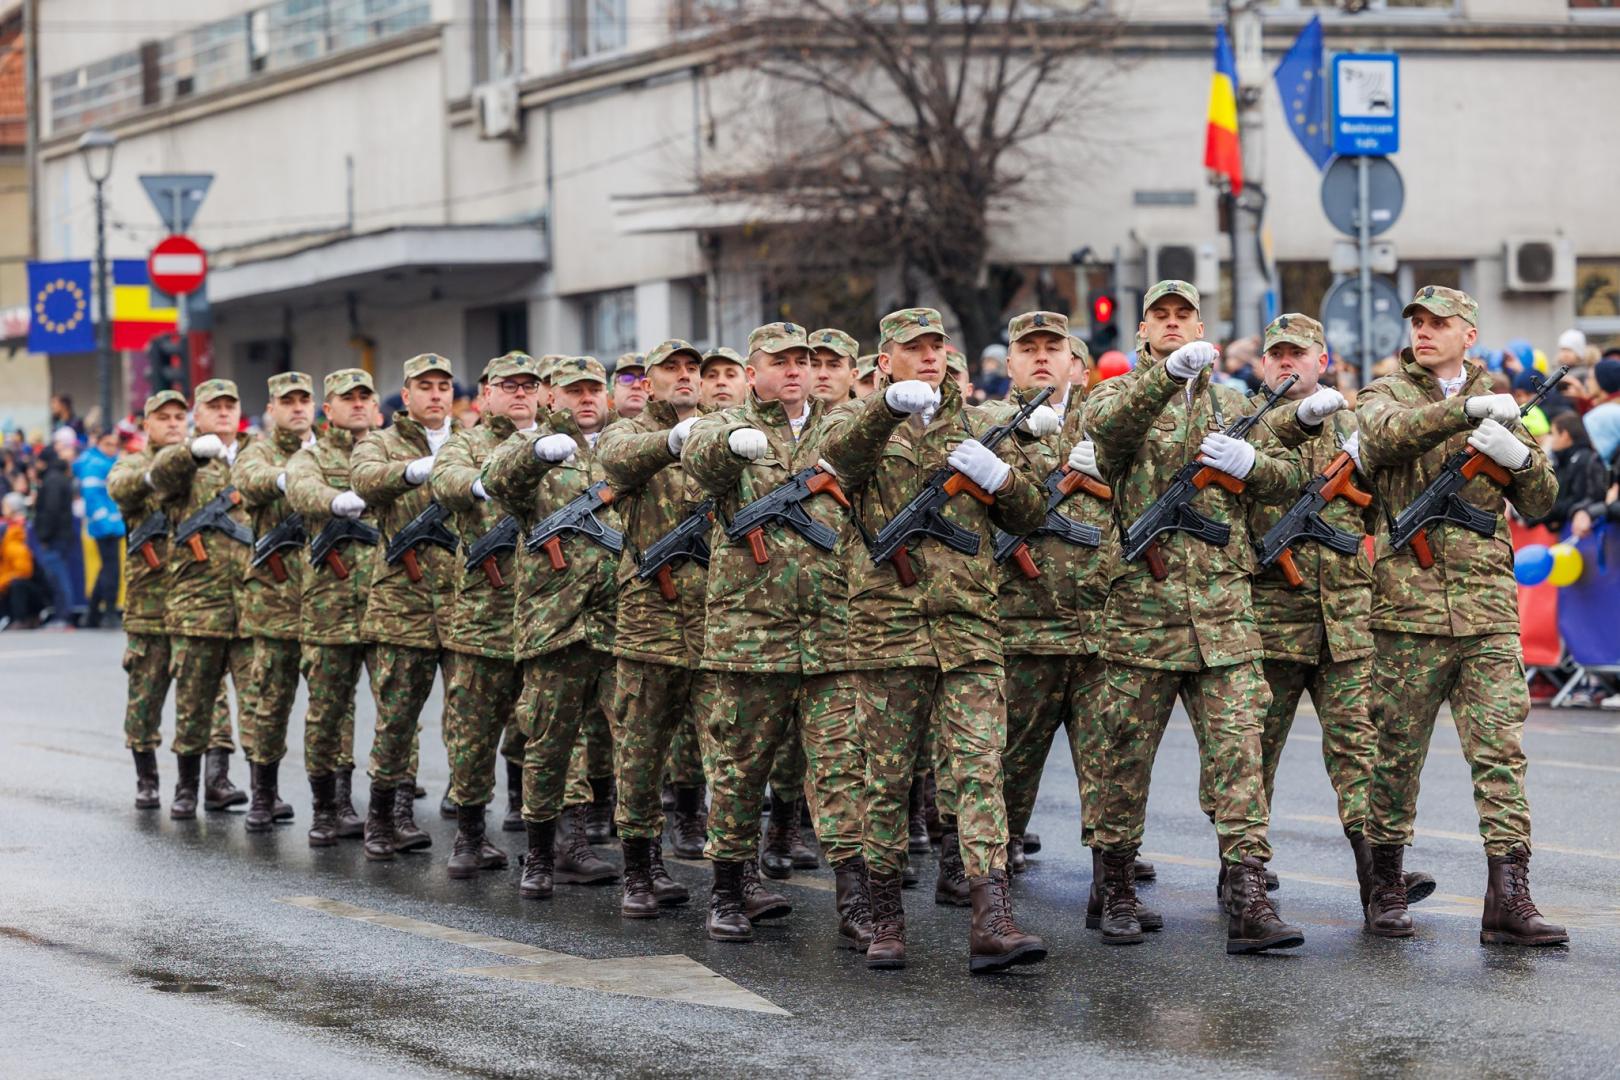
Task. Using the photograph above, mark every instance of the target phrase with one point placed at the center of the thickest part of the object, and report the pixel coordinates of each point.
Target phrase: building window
(497, 39)
(608, 320)
(595, 26)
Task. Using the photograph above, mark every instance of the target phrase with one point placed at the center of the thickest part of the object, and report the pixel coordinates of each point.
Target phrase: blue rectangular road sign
(1366, 104)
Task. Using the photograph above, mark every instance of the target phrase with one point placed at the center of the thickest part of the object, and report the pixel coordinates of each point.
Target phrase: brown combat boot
(1116, 902)
(1419, 885)
(380, 820)
(1511, 917)
(323, 822)
(887, 948)
(760, 903)
(1253, 925)
(1386, 914)
(917, 819)
(262, 807)
(465, 853)
(995, 942)
(218, 791)
(1016, 863)
(638, 901)
(183, 807)
(599, 827)
(575, 862)
(447, 806)
(535, 884)
(951, 886)
(513, 821)
(349, 825)
(1147, 918)
(146, 780)
(726, 920)
(776, 858)
(804, 852)
(688, 825)
(1143, 871)
(408, 836)
(666, 890)
(854, 902)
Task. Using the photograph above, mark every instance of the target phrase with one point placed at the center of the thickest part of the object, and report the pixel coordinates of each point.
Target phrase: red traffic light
(1102, 309)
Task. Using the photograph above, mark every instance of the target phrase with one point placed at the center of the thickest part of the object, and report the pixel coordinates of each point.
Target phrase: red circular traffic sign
(177, 265)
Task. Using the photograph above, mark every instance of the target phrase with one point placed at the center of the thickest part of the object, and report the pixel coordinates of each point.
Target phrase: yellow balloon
(1567, 564)
(1539, 361)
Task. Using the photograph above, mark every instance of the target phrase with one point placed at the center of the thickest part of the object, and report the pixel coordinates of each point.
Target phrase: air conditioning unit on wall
(1540, 264)
(500, 116)
(1192, 261)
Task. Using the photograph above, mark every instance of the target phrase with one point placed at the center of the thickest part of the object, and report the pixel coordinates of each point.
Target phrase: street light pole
(96, 147)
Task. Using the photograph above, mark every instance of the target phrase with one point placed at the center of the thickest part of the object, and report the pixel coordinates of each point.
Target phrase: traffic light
(1104, 334)
(163, 371)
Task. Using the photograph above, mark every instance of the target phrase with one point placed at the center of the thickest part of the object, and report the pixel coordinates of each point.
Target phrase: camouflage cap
(723, 353)
(629, 360)
(908, 323)
(836, 340)
(1037, 322)
(664, 350)
(1184, 289)
(955, 360)
(215, 388)
(162, 398)
(547, 364)
(345, 379)
(288, 381)
(1080, 349)
(513, 363)
(866, 366)
(1444, 302)
(418, 366)
(1294, 329)
(777, 337)
(573, 369)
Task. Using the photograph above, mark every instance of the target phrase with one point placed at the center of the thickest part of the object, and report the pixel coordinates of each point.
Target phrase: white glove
(417, 471)
(207, 446)
(1498, 443)
(1083, 458)
(1499, 407)
(1352, 446)
(281, 482)
(678, 434)
(348, 505)
(974, 461)
(1234, 457)
(1187, 361)
(555, 448)
(479, 492)
(1321, 403)
(748, 443)
(911, 396)
(1043, 421)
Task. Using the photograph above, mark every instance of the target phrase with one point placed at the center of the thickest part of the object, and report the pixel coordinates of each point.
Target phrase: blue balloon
(1532, 564)
(1523, 351)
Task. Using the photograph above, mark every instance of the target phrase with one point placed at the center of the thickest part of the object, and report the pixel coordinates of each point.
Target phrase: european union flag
(1299, 80)
(59, 308)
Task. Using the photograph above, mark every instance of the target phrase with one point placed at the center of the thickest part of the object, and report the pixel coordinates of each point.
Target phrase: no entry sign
(177, 265)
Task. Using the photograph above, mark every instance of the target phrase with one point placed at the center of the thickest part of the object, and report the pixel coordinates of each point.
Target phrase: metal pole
(183, 328)
(1246, 25)
(1364, 252)
(103, 312)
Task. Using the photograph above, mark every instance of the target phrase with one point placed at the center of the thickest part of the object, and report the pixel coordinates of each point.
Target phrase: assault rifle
(1060, 483)
(579, 516)
(339, 530)
(485, 550)
(1442, 502)
(785, 505)
(288, 534)
(1303, 521)
(215, 514)
(687, 540)
(924, 515)
(153, 527)
(1173, 511)
(425, 528)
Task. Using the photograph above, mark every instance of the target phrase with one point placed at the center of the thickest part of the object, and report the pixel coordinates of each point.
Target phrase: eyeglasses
(631, 378)
(514, 386)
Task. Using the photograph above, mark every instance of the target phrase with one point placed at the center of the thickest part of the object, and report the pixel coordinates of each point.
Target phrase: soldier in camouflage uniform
(725, 382)
(200, 613)
(330, 607)
(775, 637)
(933, 647)
(389, 470)
(1450, 632)
(267, 608)
(1193, 634)
(482, 680)
(564, 618)
(865, 376)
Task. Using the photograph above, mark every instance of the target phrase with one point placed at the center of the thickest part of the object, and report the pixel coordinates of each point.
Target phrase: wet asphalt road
(133, 945)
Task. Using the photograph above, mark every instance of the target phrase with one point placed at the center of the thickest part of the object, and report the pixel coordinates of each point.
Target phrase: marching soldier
(268, 606)
(865, 376)
(1450, 632)
(725, 383)
(630, 386)
(332, 602)
(933, 647)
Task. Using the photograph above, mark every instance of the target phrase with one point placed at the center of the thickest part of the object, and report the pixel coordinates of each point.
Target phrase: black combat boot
(638, 901)
(349, 825)
(666, 890)
(447, 806)
(951, 887)
(408, 836)
(995, 942)
(262, 807)
(183, 807)
(666, 796)
(853, 898)
(726, 920)
(1145, 871)
(513, 821)
(538, 863)
(1117, 904)
(599, 827)
(1386, 914)
(146, 780)
(887, 948)
(759, 902)
(1016, 862)
(380, 819)
(936, 827)
(323, 823)
(465, 853)
(1511, 917)
(688, 825)
(1032, 842)
(776, 859)
(917, 819)
(1147, 918)
(218, 791)
(576, 863)
(804, 854)
(1253, 925)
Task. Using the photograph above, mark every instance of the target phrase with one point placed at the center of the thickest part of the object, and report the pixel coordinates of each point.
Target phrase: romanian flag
(139, 312)
(1222, 154)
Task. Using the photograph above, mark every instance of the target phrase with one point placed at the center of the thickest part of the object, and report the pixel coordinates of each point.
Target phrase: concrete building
(469, 176)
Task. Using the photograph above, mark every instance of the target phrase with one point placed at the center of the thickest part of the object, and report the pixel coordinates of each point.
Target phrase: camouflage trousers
(754, 713)
(332, 673)
(480, 698)
(198, 666)
(146, 660)
(651, 703)
(559, 690)
(268, 704)
(1045, 693)
(1226, 706)
(895, 707)
(592, 757)
(685, 765)
(789, 769)
(401, 680)
(1483, 678)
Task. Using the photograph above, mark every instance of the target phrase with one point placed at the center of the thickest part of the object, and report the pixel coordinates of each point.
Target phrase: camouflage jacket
(264, 606)
(792, 614)
(655, 495)
(201, 600)
(479, 617)
(1202, 614)
(1408, 429)
(1058, 613)
(398, 610)
(144, 588)
(555, 608)
(330, 608)
(949, 618)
